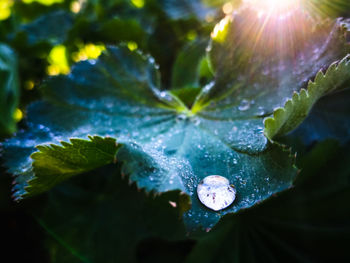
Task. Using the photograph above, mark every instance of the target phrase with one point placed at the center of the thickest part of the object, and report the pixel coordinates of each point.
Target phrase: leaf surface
(299, 225)
(297, 109)
(170, 145)
(164, 148)
(50, 28)
(54, 164)
(256, 68)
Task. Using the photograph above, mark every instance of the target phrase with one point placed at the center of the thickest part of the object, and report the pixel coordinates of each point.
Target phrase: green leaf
(328, 119)
(54, 164)
(309, 223)
(164, 146)
(182, 9)
(186, 70)
(50, 28)
(332, 8)
(100, 217)
(187, 95)
(9, 90)
(109, 30)
(296, 109)
(263, 64)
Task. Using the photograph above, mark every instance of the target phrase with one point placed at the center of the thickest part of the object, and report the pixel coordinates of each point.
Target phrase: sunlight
(75, 6)
(18, 115)
(274, 6)
(58, 61)
(43, 2)
(138, 3)
(5, 9)
(89, 51)
(220, 30)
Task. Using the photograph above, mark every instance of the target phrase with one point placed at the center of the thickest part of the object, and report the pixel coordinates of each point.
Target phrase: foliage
(9, 91)
(146, 102)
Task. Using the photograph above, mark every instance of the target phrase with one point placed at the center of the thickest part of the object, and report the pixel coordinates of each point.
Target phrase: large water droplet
(215, 192)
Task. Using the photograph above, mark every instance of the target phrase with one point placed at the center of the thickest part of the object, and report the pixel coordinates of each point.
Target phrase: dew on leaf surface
(245, 105)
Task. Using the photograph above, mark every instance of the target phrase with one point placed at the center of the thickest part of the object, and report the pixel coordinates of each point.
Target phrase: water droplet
(261, 110)
(208, 87)
(92, 61)
(151, 60)
(266, 72)
(245, 105)
(215, 192)
(196, 121)
(181, 117)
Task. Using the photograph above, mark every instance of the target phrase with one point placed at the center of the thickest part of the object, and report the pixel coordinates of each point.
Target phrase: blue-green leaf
(50, 28)
(165, 146)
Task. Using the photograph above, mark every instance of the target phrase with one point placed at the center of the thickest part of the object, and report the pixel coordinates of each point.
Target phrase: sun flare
(278, 6)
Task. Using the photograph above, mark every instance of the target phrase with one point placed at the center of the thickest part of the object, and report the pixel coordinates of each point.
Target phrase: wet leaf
(247, 51)
(164, 146)
(309, 223)
(167, 143)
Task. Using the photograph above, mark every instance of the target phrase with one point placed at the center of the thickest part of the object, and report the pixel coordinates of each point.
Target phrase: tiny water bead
(215, 192)
(244, 105)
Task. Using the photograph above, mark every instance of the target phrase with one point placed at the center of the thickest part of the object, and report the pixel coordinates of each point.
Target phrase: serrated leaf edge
(282, 120)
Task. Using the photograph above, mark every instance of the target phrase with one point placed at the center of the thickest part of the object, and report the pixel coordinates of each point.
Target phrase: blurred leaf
(165, 148)
(113, 31)
(99, 217)
(186, 69)
(25, 12)
(182, 9)
(50, 28)
(156, 250)
(187, 95)
(328, 8)
(9, 91)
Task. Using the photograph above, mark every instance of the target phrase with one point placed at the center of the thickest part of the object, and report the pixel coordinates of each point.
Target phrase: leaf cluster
(113, 149)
